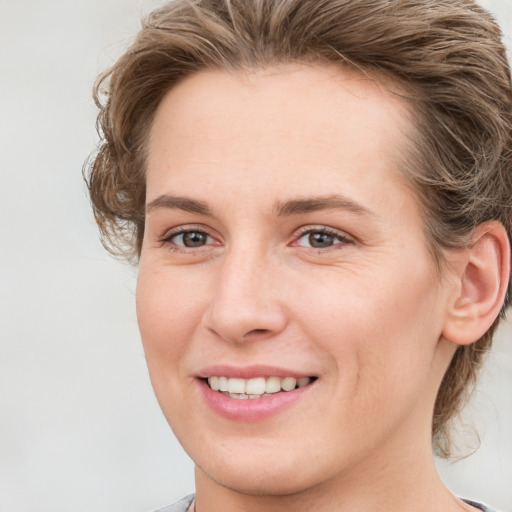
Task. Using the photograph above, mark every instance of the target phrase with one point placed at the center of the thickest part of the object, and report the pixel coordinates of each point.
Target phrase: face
(288, 304)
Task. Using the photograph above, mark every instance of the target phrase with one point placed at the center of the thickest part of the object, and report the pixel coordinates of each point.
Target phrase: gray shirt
(182, 505)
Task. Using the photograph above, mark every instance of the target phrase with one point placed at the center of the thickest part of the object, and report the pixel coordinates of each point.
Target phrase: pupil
(194, 239)
(321, 240)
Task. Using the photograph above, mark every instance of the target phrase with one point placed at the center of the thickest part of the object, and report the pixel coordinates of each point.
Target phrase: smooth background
(80, 429)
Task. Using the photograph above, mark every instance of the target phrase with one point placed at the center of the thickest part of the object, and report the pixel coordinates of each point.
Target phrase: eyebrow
(291, 207)
(179, 203)
(314, 204)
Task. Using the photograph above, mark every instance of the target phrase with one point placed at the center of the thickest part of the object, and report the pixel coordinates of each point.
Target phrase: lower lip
(251, 409)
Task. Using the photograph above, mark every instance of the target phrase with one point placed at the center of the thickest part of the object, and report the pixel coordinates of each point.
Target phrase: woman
(318, 197)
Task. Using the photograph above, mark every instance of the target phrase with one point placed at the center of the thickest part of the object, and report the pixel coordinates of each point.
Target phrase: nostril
(256, 331)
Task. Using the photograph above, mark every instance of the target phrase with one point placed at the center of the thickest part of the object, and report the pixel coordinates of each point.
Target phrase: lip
(249, 372)
(254, 409)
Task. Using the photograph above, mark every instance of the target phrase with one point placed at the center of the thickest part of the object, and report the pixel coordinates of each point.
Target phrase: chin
(253, 480)
(260, 469)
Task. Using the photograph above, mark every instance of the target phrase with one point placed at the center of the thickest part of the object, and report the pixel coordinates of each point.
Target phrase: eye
(321, 238)
(189, 238)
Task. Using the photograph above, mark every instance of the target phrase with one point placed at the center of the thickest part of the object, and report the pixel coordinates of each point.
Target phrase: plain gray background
(80, 429)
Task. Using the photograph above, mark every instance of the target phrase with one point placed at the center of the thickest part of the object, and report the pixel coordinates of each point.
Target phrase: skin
(364, 314)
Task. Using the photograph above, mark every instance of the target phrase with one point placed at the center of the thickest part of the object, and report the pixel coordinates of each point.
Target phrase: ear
(483, 272)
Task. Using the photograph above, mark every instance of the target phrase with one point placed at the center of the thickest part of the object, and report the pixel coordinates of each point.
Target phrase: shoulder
(180, 506)
(480, 506)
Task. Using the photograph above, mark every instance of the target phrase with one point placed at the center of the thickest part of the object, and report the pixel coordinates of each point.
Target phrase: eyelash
(169, 239)
(341, 238)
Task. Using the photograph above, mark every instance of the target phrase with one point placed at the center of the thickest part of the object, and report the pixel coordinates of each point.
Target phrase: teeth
(239, 396)
(223, 384)
(214, 383)
(288, 383)
(273, 385)
(255, 386)
(304, 381)
(244, 396)
(236, 385)
(243, 389)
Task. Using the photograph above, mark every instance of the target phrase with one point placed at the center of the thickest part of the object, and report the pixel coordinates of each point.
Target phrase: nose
(245, 304)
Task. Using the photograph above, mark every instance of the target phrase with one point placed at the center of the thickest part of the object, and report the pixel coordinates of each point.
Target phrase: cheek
(381, 333)
(168, 311)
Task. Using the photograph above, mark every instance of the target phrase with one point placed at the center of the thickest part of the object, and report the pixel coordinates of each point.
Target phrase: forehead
(277, 128)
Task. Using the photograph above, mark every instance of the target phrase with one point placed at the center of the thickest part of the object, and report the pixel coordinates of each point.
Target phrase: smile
(258, 387)
(253, 393)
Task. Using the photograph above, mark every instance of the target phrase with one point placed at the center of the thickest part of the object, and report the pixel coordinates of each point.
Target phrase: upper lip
(249, 372)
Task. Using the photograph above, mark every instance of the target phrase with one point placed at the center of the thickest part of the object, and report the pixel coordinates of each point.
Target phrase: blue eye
(190, 238)
(321, 239)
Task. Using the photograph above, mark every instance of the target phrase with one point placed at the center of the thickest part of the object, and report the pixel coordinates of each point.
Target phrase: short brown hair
(447, 55)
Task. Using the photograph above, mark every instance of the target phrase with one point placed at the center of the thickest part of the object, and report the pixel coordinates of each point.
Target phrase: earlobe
(483, 275)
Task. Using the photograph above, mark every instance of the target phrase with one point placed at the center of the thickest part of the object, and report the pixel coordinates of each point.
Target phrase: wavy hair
(447, 55)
